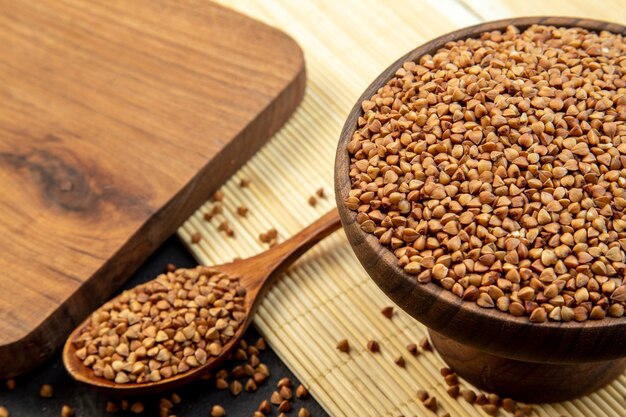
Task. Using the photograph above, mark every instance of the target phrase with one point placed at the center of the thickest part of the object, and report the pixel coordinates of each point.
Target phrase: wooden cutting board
(117, 120)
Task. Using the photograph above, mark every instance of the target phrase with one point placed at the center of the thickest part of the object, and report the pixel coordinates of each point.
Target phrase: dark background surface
(197, 397)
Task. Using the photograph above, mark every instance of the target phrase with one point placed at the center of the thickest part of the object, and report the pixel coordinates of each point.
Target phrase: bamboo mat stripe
(327, 296)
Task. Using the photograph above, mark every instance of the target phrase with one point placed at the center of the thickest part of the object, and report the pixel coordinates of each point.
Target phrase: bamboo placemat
(327, 296)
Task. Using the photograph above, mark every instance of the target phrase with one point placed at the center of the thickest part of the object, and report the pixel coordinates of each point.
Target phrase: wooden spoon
(256, 274)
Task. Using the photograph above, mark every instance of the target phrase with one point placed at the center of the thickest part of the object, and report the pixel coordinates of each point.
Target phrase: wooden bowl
(494, 350)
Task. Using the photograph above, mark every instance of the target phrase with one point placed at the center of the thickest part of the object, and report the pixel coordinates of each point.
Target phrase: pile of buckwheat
(163, 328)
(496, 168)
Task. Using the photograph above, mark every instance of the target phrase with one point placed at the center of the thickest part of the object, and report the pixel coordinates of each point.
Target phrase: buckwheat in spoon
(182, 324)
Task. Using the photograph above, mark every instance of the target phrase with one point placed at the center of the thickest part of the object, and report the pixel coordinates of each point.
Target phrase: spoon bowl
(256, 275)
(492, 349)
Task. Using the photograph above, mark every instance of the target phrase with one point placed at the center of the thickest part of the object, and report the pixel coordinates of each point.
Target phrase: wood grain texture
(493, 332)
(118, 119)
(256, 274)
(525, 381)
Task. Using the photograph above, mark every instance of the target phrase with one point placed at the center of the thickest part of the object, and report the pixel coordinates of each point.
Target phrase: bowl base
(525, 381)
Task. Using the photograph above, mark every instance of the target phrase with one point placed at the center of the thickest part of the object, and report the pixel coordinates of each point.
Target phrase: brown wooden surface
(257, 275)
(525, 381)
(491, 331)
(117, 120)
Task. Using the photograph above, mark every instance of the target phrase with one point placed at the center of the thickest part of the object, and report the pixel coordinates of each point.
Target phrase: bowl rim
(500, 333)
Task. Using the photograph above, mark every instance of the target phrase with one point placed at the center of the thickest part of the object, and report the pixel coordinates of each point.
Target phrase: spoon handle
(280, 257)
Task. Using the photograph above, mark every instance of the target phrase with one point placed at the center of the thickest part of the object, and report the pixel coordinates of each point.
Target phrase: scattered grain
(481, 399)
(284, 406)
(301, 392)
(285, 392)
(46, 391)
(454, 391)
(373, 346)
(387, 311)
(265, 407)
(166, 403)
(451, 380)
(196, 238)
(260, 344)
(224, 226)
(112, 407)
(431, 404)
(67, 411)
(284, 382)
(218, 196)
(263, 369)
(490, 409)
(509, 405)
(236, 387)
(422, 395)
(137, 407)
(493, 399)
(250, 385)
(468, 395)
(276, 398)
(218, 411)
